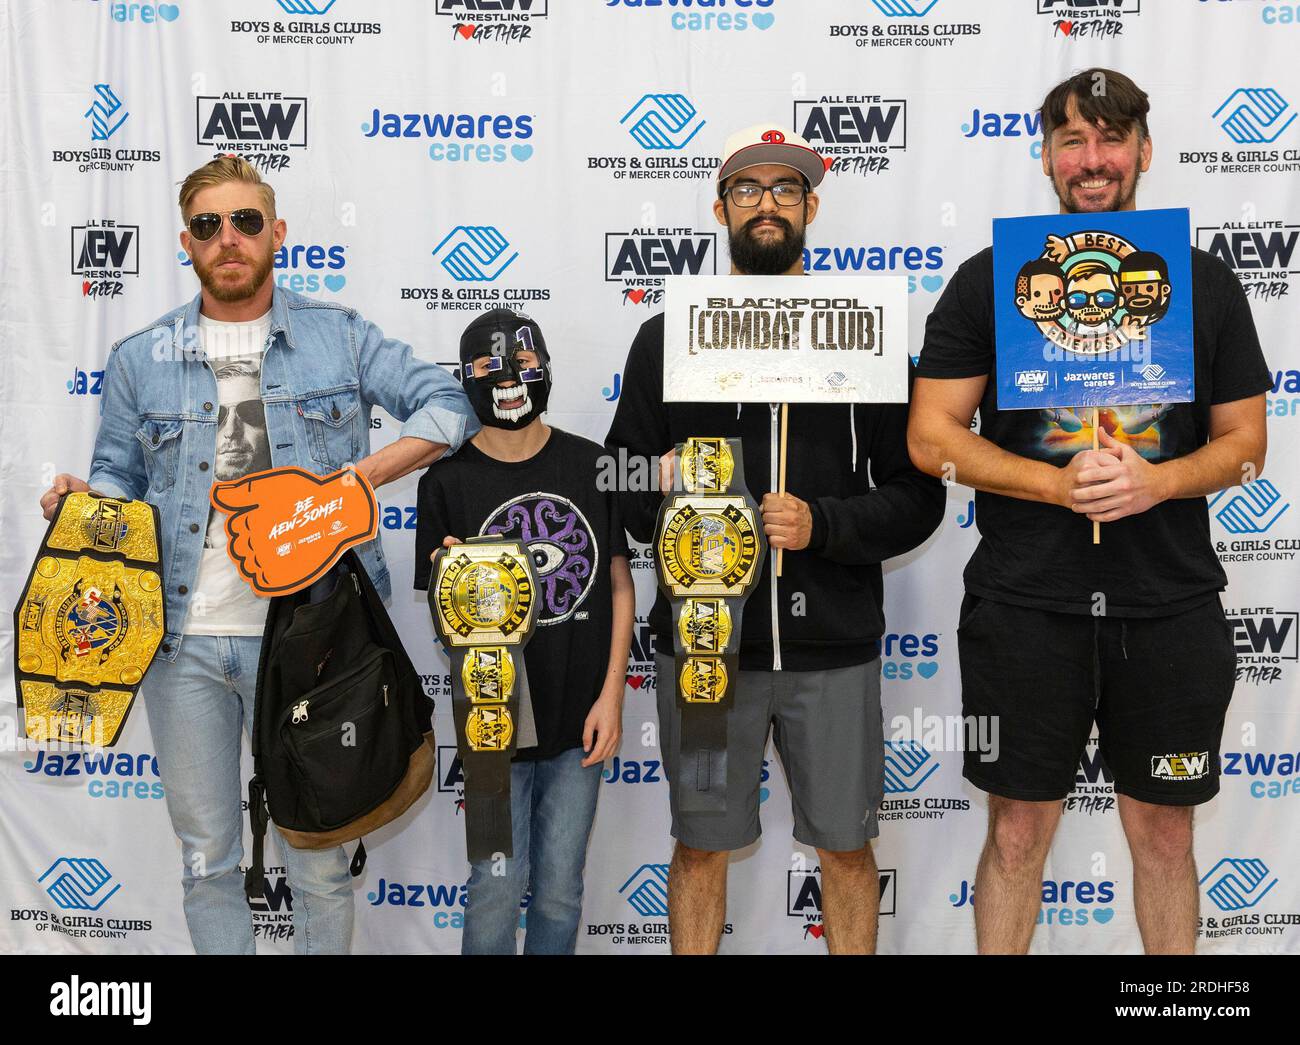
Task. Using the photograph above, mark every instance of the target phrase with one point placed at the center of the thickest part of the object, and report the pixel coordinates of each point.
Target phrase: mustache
(776, 219)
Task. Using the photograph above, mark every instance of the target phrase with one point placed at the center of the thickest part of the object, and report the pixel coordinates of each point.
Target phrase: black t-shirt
(551, 503)
(1156, 563)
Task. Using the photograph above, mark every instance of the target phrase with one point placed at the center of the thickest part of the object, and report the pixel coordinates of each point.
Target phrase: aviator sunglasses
(247, 221)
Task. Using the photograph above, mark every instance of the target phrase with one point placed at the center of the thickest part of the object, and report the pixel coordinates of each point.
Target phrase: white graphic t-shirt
(223, 603)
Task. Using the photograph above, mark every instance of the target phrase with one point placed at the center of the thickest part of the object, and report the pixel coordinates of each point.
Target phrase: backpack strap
(279, 614)
(259, 818)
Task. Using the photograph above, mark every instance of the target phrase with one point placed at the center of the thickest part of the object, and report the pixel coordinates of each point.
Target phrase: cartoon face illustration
(1144, 281)
(1040, 288)
(1092, 294)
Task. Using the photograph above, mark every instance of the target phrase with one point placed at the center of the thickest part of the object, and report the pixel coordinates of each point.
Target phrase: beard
(771, 256)
(225, 288)
(1119, 197)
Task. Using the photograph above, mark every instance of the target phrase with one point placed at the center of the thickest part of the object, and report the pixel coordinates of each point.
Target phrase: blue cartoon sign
(1094, 310)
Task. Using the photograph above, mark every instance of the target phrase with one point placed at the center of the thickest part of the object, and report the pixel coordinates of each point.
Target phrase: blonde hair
(1084, 269)
(220, 171)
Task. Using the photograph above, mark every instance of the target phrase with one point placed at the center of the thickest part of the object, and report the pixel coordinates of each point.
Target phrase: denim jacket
(324, 368)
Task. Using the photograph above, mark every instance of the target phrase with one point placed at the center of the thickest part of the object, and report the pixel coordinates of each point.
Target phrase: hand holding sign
(287, 527)
(787, 521)
(1115, 481)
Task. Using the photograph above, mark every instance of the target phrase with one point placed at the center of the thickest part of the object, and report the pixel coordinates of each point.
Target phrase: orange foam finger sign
(286, 527)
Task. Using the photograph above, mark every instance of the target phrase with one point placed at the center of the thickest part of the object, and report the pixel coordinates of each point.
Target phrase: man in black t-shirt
(519, 478)
(1055, 631)
(809, 640)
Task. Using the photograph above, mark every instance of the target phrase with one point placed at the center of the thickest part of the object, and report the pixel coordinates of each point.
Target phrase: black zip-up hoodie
(830, 597)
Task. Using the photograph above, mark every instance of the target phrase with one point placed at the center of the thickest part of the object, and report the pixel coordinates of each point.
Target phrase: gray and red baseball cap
(771, 143)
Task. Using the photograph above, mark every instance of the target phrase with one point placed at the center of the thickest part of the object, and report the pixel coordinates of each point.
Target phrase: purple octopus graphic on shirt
(563, 548)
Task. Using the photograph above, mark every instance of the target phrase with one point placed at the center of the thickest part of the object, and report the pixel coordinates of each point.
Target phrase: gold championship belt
(709, 552)
(484, 604)
(90, 619)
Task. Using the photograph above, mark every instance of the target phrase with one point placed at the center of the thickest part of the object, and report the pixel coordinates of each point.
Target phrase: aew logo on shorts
(1262, 253)
(262, 127)
(803, 898)
(855, 133)
(502, 21)
(1188, 766)
(1263, 639)
(1088, 18)
(641, 259)
(102, 253)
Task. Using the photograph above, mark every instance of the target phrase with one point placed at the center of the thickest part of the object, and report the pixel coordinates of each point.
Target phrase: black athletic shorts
(1158, 688)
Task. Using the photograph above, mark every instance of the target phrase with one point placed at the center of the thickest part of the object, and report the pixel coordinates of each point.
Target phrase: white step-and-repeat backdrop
(586, 134)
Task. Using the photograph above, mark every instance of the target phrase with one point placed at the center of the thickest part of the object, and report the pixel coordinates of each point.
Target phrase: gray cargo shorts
(829, 733)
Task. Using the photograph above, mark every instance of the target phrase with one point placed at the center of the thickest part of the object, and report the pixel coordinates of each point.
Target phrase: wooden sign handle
(780, 484)
(1096, 445)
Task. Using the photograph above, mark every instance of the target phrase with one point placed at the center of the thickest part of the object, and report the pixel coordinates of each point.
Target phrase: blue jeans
(195, 705)
(552, 805)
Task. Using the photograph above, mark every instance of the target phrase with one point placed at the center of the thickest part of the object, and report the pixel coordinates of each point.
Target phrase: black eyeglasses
(749, 194)
(246, 221)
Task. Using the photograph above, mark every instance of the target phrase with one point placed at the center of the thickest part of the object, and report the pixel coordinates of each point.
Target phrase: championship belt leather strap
(709, 551)
(484, 604)
(89, 620)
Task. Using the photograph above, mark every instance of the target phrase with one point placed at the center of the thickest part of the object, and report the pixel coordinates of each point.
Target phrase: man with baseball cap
(809, 640)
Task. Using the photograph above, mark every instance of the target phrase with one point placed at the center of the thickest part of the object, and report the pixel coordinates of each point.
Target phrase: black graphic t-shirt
(572, 529)
(1156, 563)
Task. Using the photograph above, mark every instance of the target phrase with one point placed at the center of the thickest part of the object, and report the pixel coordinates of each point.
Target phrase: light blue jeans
(196, 705)
(552, 805)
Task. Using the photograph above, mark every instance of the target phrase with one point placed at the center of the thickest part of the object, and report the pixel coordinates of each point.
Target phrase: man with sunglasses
(1091, 298)
(1054, 631)
(809, 654)
(246, 376)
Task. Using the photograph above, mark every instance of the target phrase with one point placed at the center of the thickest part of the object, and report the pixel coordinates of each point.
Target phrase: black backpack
(342, 733)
